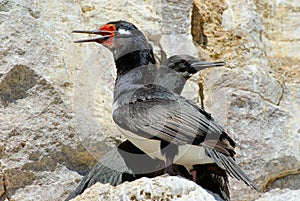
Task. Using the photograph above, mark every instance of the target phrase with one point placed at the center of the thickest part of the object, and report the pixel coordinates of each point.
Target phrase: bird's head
(188, 65)
(121, 37)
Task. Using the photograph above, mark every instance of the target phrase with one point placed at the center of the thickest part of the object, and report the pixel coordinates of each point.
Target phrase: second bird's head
(119, 36)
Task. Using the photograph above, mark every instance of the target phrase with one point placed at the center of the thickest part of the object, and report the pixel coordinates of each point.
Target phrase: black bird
(176, 70)
(160, 122)
(120, 164)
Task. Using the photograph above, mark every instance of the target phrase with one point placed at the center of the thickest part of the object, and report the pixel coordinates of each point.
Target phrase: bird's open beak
(105, 35)
(204, 64)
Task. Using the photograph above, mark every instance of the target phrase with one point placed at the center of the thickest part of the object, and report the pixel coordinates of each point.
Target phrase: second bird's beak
(105, 35)
(205, 64)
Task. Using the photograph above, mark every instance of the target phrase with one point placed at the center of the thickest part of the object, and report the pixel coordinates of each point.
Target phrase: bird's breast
(188, 155)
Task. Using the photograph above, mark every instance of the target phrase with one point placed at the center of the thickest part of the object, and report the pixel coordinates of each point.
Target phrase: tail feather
(109, 169)
(228, 164)
(225, 196)
(214, 179)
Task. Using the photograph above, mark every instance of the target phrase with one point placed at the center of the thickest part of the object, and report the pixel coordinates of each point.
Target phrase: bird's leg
(169, 150)
(201, 89)
(169, 168)
(194, 175)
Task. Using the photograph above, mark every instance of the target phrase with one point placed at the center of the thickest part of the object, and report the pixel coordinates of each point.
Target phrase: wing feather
(172, 118)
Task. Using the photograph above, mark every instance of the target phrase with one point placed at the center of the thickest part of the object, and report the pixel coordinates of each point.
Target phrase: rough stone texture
(281, 195)
(159, 188)
(55, 96)
(259, 93)
(36, 133)
(280, 29)
(51, 185)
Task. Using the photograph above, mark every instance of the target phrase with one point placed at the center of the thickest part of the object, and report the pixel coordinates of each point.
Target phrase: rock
(280, 30)
(259, 92)
(44, 188)
(2, 189)
(172, 44)
(273, 27)
(159, 188)
(281, 195)
(36, 133)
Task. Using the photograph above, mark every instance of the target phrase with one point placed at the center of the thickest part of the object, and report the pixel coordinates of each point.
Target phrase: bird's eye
(111, 27)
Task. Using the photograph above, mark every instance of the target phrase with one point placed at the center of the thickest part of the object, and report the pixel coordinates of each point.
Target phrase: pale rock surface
(61, 177)
(281, 195)
(260, 90)
(159, 188)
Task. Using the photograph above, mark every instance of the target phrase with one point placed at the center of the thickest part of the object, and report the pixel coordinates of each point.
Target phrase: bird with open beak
(154, 118)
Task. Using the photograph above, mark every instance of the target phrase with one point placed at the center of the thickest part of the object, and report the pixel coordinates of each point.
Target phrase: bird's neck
(134, 70)
(133, 60)
(170, 79)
